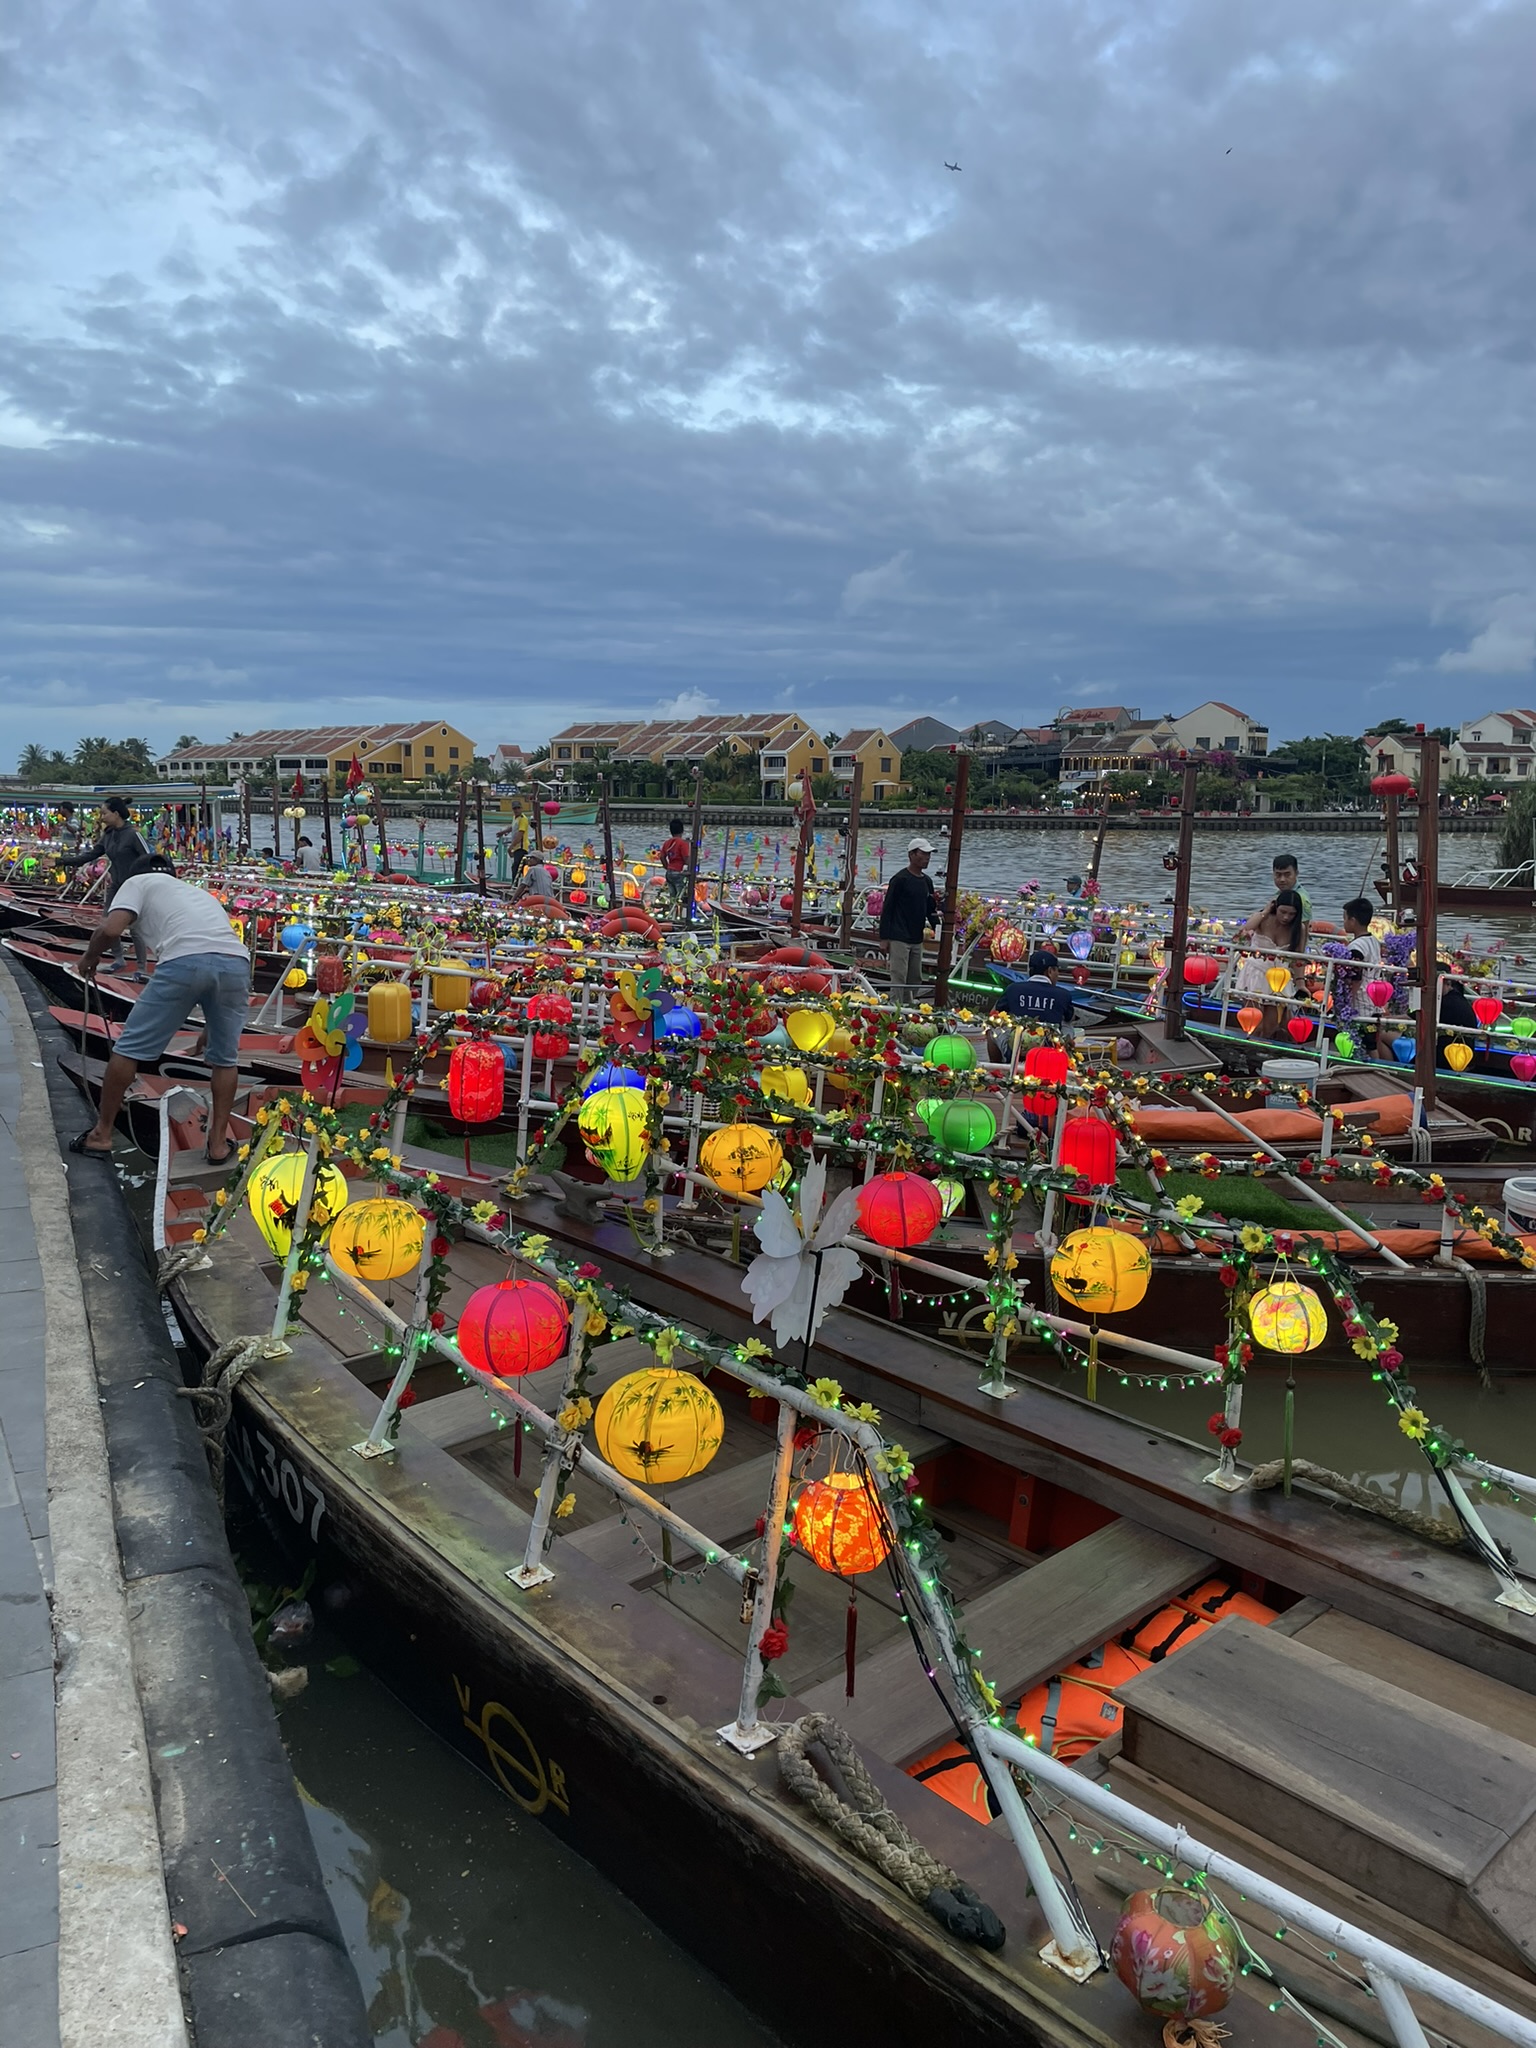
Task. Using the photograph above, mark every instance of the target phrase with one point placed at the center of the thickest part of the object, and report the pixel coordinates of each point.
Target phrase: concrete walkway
(86, 1954)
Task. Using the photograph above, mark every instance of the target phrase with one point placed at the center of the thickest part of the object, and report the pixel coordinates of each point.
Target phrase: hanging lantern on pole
(900, 1210)
(513, 1327)
(273, 1196)
(477, 1079)
(658, 1425)
(1088, 1150)
(1287, 1317)
(741, 1159)
(377, 1240)
(1050, 1063)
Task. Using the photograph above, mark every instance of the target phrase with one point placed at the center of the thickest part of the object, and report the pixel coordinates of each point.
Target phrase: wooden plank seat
(1413, 1804)
(1026, 1629)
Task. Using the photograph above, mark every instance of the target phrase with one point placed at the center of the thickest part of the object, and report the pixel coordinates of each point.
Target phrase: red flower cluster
(1228, 1276)
(407, 1399)
(440, 1247)
(806, 1435)
(773, 1642)
(437, 1319)
(1390, 1361)
(1230, 1439)
(588, 1271)
(1216, 1424)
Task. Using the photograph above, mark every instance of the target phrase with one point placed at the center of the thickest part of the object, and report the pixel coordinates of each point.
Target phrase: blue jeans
(220, 982)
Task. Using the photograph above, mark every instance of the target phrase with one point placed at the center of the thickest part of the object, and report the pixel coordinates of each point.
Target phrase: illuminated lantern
(1176, 1952)
(1487, 1010)
(809, 1030)
(963, 1126)
(1391, 785)
(552, 1007)
(1344, 1045)
(450, 985)
(1046, 1063)
(1101, 1271)
(578, 876)
(610, 1076)
(1088, 1150)
(900, 1210)
(274, 1191)
(1404, 1050)
(680, 1023)
(638, 871)
(1278, 979)
(389, 1013)
(1524, 1027)
(1285, 1316)
(1523, 1066)
(1379, 992)
(951, 1194)
(1250, 1018)
(741, 1159)
(658, 1425)
(330, 974)
(477, 1080)
(1008, 944)
(513, 1327)
(613, 1124)
(1458, 1055)
(295, 978)
(841, 1526)
(377, 1240)
(952, 1051)
(790, 1084)
(1200, 970)
(550, 1045)
(1300, 1028)
(578, 898)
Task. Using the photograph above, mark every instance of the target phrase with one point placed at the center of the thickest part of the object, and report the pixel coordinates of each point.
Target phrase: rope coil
(858, 1815)
(1370, 1498)
(223, 1370)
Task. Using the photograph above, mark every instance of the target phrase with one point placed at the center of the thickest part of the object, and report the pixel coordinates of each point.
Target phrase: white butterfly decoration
(782, 1280)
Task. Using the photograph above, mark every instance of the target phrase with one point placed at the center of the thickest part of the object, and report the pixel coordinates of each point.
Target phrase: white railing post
(533, 1571)
(1398, 2013)
(295, 1243)
(747, 1733)
(378, 1443)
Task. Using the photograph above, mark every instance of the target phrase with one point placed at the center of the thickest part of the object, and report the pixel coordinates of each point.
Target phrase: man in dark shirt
(1039, 998)
(910, 905)
(119, 845)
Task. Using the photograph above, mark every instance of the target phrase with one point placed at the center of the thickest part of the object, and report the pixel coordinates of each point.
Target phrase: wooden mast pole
(602, 792)
(325, 818)
(695, 827)
(802, 846)
(480, 836)
(1098, 843)
(952, 878)
(458, 845)
(277, 820)
(1178, 937)
(851, 854)
(1425, 945)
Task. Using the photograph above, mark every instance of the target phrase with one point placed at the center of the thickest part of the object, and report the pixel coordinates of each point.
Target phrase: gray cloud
(543, 360)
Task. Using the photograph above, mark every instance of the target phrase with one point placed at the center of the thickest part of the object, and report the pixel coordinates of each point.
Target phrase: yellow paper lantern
(389, 1013)
(840, 1045)
(613, 1124)
(1458, 1055)
(377, 1240)
(810, 1029)
(1277, 977)
(274, 1191)
(1287, 1317)
(295, 978)
(638, 871)
(630, 890)
(658, 1425)
(1101, 1271)
(741, 1159)
(791, 1084)
(578, 878)
(450, 985)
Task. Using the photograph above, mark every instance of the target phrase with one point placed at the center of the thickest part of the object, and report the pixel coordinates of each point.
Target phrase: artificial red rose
(806, 1435)
(1230, 1439)
(437, 1319)
(440, 1247)
(773, 1642)
(1228, 1276)
(1216, 1424)
(1390, 1361)
(760, 1526)
(588, 1271)
(407, 1399)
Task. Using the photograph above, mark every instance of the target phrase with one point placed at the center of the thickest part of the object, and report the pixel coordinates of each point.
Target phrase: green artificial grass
(1245, 1201)
(492, 1148)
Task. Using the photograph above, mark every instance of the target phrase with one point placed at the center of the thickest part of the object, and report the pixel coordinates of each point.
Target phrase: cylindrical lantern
(274, 1191)
(377, 1240)
(841, 1526)
(1176, 1952)
(658, 1425)
(950, 1050)
(900, 1209)
(477, 1080)
(450, 985)
(613, 1125)
(330, 974)
(513, 1327)
(741, 1159)
(389, 1013)
(1088, 1150)
(1287, 1317)
(963, 1125)
(1101, 1272)
(1046, 1063)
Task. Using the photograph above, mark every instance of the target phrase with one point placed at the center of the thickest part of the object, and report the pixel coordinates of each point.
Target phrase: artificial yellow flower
(861, 1411)
(1189, 1206)
(1251, 1238)
(199, 1236)
(1415, 1423)
(665, 1342)
(566, 1505)
(597, 1322)
(221, 1198)
(828, 1392)
(753, 1348)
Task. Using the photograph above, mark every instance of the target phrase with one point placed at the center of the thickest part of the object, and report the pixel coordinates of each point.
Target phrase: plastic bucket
(1294, 1074)
(1520, 1201)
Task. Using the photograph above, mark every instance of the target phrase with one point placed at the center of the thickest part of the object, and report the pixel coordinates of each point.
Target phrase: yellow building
(874, 748)
(791, 753)
(387, 754)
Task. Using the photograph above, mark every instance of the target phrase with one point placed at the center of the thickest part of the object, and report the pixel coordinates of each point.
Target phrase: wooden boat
(1515, 899)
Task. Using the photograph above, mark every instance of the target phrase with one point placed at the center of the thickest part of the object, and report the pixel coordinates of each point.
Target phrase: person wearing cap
(910, 906)
(1039, 998)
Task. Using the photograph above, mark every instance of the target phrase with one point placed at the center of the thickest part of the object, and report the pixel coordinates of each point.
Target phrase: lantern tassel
(389, 1072)
(517, 1447)
(1288, 1440)
(1093, 1361)
(851, 1639)
(469, 1171)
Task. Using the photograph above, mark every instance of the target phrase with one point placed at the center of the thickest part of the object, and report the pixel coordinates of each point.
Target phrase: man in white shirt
(200, 959)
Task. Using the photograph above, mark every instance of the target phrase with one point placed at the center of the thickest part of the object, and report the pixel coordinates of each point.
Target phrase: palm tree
(33, 763)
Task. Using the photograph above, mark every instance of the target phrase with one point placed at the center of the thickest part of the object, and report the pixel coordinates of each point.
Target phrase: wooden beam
(1427, 919)
(952, 877)
(1178, 935)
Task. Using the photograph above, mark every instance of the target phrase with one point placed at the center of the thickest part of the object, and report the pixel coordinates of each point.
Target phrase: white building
(1498, 747)
(1216, 728)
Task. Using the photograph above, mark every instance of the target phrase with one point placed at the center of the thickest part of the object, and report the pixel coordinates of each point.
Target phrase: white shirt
(177, 918)
(1366, 948)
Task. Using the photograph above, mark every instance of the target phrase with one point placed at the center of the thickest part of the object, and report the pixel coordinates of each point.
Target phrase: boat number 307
(258, 1456)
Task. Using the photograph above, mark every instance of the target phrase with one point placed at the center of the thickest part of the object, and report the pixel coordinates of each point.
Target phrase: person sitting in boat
(538, 889)
(1039, 998)
(200, 961)
(117, 843)
(1360, 945)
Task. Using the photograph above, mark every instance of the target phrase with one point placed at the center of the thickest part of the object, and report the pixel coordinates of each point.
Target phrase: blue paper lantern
(610, 1076)
(680, 1023)
(293, 936)
(1081, 944)
(1403, 1049)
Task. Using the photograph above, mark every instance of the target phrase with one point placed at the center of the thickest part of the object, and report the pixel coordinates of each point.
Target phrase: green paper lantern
(964, 1126)
(952, 1195)
(1344, 1045)
(952, 1051)
(926, 1110)
(1523, 1027)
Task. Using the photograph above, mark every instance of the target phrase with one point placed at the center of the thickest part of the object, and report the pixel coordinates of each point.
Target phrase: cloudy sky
(584, 356)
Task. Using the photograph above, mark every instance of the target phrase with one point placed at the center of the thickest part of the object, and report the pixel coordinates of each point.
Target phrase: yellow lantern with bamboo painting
(1287, 1317)
(380, 1239)
(274, 1192)
(658, 1425)
(741, 1159)
(1102, 1272)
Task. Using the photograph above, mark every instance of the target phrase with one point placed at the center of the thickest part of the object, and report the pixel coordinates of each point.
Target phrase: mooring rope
(223, 1370)
(1370, 1498)
(174, 1263)
(860, 1817)
(1477, 1315)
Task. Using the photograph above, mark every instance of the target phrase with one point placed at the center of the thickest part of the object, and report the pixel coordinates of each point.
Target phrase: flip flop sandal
(227, 1160)
(80, 1147)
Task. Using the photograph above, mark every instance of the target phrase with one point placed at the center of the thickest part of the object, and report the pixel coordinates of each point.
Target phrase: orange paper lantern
(841, 1526)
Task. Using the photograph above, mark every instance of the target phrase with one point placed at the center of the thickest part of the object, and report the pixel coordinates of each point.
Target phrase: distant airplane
(951, 167)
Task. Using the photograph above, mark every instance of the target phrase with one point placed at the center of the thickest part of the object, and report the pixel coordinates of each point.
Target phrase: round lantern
(741, 1159)
(1101, 1272)
(553, 1007)
(610, 1076)
(477, 1080)
(274, 1193)
(293, 936)
(809, 1030)
(1088, 1150)
(1299, 1028)
(550, 1045)
(900, 1210)
(680, 1023)
(1008, 944)
(1458, 1056)
(1250, 1018)
(389, 1013)
(1200, 970)
(579, 898)
(952, 1051)
(513, 1327)
(613, 1125)
(841, 1526)
(1176, 1952)
(578, 876)
(1379, 993)
(951, 1194)
(658, 1425)
(962, 1126)
(295, 978)
(1391, 785)
(791, 1084)
(1287, 1317)
(377, 1240)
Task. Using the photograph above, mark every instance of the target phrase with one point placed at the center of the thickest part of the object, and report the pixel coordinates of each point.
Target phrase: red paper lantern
(550, 1045)
(330, 974)
(551, 1008)
(1088, 1150)
(550, 810)
(841, 1526)
(1300, 1028)
(477, 1080)
(484, 995)
(1200, 970)
(578, 898)
(513, 1327)
(1487, 1010)
(900, 1209)
(787, 901)
(1523, 1066)
(1046, 1063)
(1391, 785)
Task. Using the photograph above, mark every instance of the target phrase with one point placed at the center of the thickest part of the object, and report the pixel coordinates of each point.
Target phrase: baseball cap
(1041, 962)
(919, 846)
